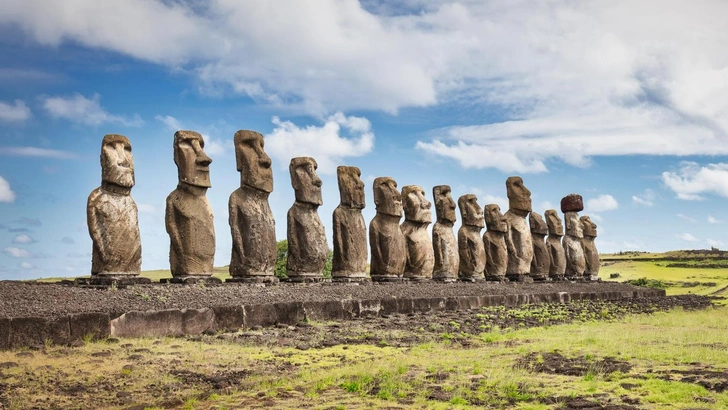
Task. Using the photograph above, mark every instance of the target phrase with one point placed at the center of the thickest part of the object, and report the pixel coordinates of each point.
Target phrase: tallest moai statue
(518, 239)
(112, 213)
(251, 219)
(447, 256)
(349, 263)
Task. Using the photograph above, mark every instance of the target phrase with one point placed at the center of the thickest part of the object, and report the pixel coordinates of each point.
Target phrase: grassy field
(676, 360)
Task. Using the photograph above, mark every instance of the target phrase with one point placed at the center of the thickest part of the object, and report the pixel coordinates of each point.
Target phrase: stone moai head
(444, 204)
(494, 219)
(519, 197)
(193, 165)
(305, 181)
(252, 162)
(351, 187)
(554, 223)
(387, 198)
(470, 211)
(588, 227)
(573, 225)
(117, 163)
(416, 207)
(537, 224)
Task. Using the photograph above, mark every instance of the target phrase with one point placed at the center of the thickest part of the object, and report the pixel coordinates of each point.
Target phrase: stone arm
(293, 245)
(339, 232)
(170, 222)
(379, 252)
(234, 221)
(92, 221)
(510, 246)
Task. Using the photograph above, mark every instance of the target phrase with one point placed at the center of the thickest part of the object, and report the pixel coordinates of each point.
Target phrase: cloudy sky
(623, 102)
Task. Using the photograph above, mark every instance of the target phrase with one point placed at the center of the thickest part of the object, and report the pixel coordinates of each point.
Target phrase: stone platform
(33, 313)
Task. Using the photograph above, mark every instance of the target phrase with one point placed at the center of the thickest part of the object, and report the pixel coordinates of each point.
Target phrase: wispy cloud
(714, 243)
(23, 239)
(82, 110)
(714, 220)
(601, 203)
(647, 198)
(172, 123)
(691, 181)
(687, 237)
(36, 152)
(685, 217)
(15, 112)
(16, 252)
(6, 194)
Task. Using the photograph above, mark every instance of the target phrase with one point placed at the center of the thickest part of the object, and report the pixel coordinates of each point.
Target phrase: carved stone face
(494, 219)
(537, 224)
(470, 211)
(519, 197)
(253, 163)
(305, 181)
(193, 165)
(554, 223)
(416, 207)
(573, 225)
(444, 204)
(351, 187)
(387, 198)
(117, 163)
(588, 227)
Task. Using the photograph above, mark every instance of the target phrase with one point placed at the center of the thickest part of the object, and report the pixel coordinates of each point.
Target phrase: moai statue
(557, 256)
(444, 244)
(188, 216)
(386, 241)
(112, 215)
(591, 255)
(573, 250)
(518, 240)
(470, 243)
(541, 260)
(417, 215)
(496, 250)
(307, 247)
(251, 221)
(350, 230)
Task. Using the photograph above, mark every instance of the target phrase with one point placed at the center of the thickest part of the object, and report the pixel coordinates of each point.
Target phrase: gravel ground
(21, 299)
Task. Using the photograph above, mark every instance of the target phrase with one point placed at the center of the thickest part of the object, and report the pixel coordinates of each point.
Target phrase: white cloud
(146, 208)
(6, 194)
(685, 217)
(80, 109)
(326, 144)
(16, 252)
(687, 237)
(212, 146)
(546, 205)
(486, 199)
(713, 220)
(597, 218)
(601, 203)
(23, 239)
(26, 265)
(714, 243)
(647, 198)
(16, 112)
(36, 152)
(691, 180)
(172, 123)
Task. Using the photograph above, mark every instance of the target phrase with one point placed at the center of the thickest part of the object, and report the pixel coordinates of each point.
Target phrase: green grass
(633, 270)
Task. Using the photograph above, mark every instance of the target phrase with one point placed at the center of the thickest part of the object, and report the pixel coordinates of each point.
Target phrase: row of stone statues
(511, 248)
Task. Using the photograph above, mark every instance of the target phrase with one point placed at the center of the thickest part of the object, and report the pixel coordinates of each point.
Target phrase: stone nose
(264, 161)
(317, 181)
(121, 154)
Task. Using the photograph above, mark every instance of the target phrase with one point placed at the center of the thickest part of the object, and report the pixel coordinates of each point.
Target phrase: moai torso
(470, 243)
(591, 254)
(114, 229)
(307, 246)
(557, 266)
(496, 250)
(420, 254)
(190, 224)
(350, 231)
(444, 244)
(518, 238)
(112, 213)
(541, 259)
(386, 241)
(252, 226)
(573, 249)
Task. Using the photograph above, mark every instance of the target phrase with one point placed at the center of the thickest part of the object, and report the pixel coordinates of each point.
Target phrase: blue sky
(623, 102)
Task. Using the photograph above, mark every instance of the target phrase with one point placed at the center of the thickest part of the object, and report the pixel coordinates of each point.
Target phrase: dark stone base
(343, 279)
(471, 279)
(444, 280)
(306, 279)
(109, 281)
(557, 278)
(519, 278)
(253, 279)
(387, 279)
(417, 279)
(192, 280)
(540, 278)
(501, 279)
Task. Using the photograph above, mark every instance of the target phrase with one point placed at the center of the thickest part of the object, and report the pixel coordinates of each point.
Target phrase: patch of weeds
(144, 296)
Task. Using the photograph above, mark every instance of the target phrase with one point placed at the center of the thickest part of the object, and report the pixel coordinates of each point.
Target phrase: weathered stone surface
(575, 259)
(229, 318)
(496, 250)
(572, 203)
(252, 225)
(444, 244)
(350, 230)
(94, 324)
(591, 254)
(188, 215)
(541, 260)
(34, 331)
(417, 215)
(518, 239)
(268, 314)
(557, 256)
(4, 333)
(386, 241)
(111, 213)
(307, 246)
(470, 244)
